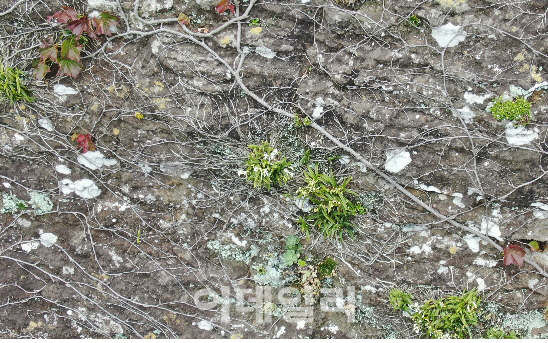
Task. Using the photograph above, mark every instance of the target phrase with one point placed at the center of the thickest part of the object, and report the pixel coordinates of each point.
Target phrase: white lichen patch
(429, 188)
(29, 246)
(232, 251)
(48, 239)
(472, 98)
(484, 263)
(472, 241)
(46, 123)
(520, 135)
(63, 169)
(424, 248)
(448, 35)
(64, 90)
(205, 325)
(457, 200)
(490, 226)
(443, 270)
(280, 332)
(102, 324)
(465, 113)
(68, 270)
(303, 204)
(95, 160)
(84, 188)
(397, 160)
(237, 241)
(265, 52)
(481, 284)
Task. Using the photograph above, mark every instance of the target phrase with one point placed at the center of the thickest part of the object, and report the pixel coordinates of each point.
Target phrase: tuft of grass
(265, 168)
(11, 85)
(518, 110)
(332, 208)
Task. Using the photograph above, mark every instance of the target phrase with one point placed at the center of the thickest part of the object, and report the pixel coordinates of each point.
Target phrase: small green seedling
(22, 206)
(300, 122)
(415, 21)
(11, 85)
(293, 250)
(265, 168)
(254, 21)
(518, 110)
(139, 236)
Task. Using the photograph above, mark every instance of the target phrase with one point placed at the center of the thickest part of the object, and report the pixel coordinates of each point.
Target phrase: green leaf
(69, 67)
(69, 50)
(290, 257)
(40, 71)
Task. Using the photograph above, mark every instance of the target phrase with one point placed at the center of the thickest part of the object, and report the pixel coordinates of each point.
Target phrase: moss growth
(518, 111)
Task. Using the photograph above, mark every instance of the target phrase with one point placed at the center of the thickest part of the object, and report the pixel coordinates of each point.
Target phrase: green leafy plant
(451, 317)
(254, 22)
(265, 168)
(518, 110)
(11, 84)
(293, 250)
(332, 209)
(80, 29)
(327, 268)
(498, 333)
(400, 300)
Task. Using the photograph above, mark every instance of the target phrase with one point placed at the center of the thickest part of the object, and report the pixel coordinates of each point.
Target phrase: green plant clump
(498, 333)
(11, 85)
(265, 168)
(415, 21)
(400, 300)
(332, 209)
(518, 110)
(327, 268)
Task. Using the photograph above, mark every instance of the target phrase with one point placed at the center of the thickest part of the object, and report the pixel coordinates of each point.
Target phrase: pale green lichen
(272, 274)
(232, 251)
(40, 202)
(10, 204)
(525, 322)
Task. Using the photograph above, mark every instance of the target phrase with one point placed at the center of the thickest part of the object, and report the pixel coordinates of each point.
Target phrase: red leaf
(105, 24)
(81, 25)
(513, 254)
(48, 50)
(69, 14)
(225, 5)
(184, 19)
(41, 70)
(69, 67)
(84, 141)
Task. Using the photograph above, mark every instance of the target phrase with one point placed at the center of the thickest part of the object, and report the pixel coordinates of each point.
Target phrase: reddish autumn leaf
(225, 5)
(48, 50)
(69, 67)
(105, 24)
(84, 141)
(513, 254)
(183, 19)
(68, 14)
(70, 50)
(80, 26)
(40, 71)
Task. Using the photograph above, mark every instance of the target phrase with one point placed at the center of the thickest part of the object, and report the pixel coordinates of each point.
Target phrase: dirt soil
(157, 234)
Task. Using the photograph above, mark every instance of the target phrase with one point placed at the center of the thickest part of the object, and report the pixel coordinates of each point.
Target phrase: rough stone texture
(131, 261)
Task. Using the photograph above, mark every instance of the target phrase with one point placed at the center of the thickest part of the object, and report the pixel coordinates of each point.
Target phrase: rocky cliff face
(153, 234)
